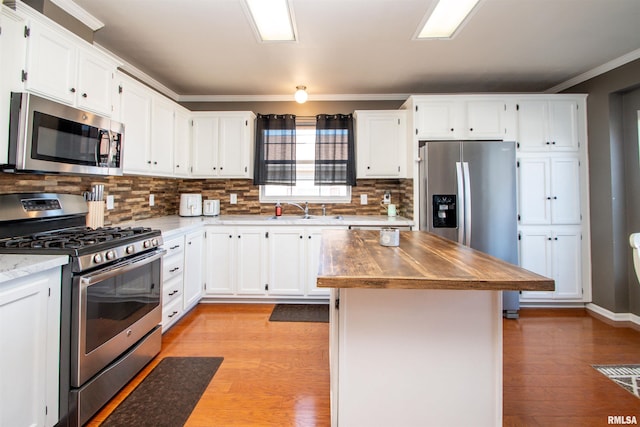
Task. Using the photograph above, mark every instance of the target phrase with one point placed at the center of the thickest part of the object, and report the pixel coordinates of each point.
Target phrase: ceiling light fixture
(301, 94)
(273, 19)
(445, 19)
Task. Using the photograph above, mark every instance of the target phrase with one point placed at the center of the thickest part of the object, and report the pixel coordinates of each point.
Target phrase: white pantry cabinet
(30, 342)
(222, 144)
(459, 117)
(12, 56)
(381, 144)
(64, 68)
(547, 124)
(553, 252)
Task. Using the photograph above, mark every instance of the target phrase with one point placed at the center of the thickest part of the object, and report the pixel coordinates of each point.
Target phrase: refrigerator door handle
(467, 204)
(461, 201)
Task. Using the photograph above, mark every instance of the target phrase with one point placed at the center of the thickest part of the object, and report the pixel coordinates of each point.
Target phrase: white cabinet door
(193, 271)
(234, 146)
(438, 119)
(534, 188)
(549, 190)
(381, 144)
(12, 58)
(95, 81)
(251, 260)
(313, 241)
(220, 261)
(51, 64)
(554, 253)
(135, 113)
(286, 261)
(162, 134)
(182, 144)
(547, 125)
(204, 146)
(29, 338)
(484, 119)
(565, 191)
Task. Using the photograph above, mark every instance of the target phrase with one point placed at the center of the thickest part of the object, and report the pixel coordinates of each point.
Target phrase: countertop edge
(14, 266)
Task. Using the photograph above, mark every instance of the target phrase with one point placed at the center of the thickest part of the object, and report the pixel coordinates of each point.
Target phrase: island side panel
(419, 358)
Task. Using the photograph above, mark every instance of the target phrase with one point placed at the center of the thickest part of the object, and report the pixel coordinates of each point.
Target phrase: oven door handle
(117, 270)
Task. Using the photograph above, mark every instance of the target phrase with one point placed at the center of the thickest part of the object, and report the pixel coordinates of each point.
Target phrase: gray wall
(309, 108)
(613, 172)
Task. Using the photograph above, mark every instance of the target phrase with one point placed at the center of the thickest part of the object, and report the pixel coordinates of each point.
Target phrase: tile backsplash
(131, 194)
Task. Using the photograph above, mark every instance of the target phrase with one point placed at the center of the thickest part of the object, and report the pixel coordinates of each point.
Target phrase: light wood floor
(277, 374)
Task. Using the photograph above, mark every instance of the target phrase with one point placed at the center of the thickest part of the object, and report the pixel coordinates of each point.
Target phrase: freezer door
(492, 198)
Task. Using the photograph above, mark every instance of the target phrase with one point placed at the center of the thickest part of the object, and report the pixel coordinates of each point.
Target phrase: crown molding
(79, 13)
(594, 72)
(290, 98)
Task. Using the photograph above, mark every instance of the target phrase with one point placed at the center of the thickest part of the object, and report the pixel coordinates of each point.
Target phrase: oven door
(112, 310)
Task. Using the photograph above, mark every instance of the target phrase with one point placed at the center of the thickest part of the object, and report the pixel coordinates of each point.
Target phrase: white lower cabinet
(250, 261)
(30, 342)
(172, 281)
(557, 253)
(193, 269)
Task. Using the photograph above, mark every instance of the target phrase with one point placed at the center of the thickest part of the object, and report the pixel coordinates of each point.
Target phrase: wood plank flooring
(277, 373)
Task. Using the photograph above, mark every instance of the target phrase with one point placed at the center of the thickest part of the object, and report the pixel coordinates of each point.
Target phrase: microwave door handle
(99, 145)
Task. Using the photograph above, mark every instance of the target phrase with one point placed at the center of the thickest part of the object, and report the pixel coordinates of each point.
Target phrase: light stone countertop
(13, 266)
(174, 224)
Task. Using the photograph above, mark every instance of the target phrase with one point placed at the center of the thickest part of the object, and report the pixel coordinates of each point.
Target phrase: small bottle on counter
(278, 209)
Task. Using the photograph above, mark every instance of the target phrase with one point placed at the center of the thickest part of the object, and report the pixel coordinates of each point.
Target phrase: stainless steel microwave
(46, 136)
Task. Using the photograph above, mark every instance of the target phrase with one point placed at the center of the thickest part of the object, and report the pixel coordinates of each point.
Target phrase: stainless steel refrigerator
(468, 194)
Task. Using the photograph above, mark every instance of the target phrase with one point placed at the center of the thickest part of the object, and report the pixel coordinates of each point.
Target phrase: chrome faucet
(305, 209)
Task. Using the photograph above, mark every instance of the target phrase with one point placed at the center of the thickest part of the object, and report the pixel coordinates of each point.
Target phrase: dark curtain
(275, 154)
(335, 150)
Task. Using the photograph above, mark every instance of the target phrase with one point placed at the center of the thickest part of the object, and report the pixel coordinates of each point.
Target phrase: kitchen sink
(304, 217)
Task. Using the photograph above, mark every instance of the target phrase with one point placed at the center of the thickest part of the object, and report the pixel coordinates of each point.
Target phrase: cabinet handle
(309, 237)
(230, 236)
(548, 143)
(72, 90)
(239, 236)
(301, 236)
(189, 242)
(368, 167)
(148, 162)
(172, 293)
(84, 95)
(177, 166)
(172, 314)
(470, 129)
(221, 168)
(548, 198)
(174, 247)
(553, 142)
(173, 270)
(451, 129)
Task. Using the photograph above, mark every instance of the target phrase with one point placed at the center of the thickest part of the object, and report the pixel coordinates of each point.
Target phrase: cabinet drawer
(171, 313)
(172, 266)
(171, 290)
(174, 246)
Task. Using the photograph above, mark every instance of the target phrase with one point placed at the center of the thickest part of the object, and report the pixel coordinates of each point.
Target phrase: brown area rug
(300, 313)
(167, 396)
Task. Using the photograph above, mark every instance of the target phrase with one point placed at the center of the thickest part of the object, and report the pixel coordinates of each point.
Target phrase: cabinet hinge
(266, 286)
(416, 131)
(119, 88)
(517, 107)
(398, 121)
(266, 234)
(416, 108)
(519, 235)
(205, 234)
(505, 107)
(0, 31)
(518, 217)
(46, 410)
(49, 292)
(246, 168)
(24, 76)
(518, 145)
(518, 164)
(205, 286)
(27, 31)
(246, 122)
(398, 168)
(337, 304)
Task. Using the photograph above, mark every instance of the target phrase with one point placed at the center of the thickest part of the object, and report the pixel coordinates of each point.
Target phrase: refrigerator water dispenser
(444, 211)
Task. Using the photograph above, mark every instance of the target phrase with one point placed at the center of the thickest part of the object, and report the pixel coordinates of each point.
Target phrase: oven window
(115, 304)
(61, 140)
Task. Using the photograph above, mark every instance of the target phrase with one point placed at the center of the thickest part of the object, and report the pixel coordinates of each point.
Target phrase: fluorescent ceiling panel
(272, 19)
(445, 18)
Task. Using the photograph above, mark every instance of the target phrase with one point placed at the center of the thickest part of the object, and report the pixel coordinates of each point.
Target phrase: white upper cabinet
(62, 68)
(381, 144)
(547, 125)
(182, 143)
(459, 117)
(222, 144)
(12, 56)
(160, 158)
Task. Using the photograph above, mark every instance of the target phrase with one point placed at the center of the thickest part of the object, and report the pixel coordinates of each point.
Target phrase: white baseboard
(616, 317)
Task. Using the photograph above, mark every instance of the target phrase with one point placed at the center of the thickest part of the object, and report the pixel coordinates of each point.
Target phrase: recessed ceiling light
(272, 19)
(446, 18)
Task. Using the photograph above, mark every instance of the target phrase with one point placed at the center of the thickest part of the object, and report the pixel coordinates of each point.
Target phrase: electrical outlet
(363, 199)
(233, 198)
(110, 202)
(387, 197)
(152, 199)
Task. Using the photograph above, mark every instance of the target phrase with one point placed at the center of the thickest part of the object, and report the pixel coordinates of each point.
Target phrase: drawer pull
(173, 270)
(172, 293)
(174, 247)
(172, 314)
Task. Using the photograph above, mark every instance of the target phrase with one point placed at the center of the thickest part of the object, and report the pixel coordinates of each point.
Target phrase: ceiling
(366, 47)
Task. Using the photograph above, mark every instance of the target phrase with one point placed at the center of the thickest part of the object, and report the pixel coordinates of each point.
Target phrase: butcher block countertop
(355, 259)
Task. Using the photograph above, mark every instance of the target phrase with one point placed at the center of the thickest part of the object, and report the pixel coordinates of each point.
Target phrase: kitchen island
(416, 330)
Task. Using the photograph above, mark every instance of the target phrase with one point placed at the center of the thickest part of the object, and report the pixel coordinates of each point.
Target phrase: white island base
(416, 357)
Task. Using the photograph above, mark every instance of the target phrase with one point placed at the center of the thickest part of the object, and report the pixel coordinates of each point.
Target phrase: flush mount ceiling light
(272, 19)
(445, 18)
(301, 94)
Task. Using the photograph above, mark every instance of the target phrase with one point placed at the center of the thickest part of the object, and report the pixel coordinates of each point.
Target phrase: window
(305, 188)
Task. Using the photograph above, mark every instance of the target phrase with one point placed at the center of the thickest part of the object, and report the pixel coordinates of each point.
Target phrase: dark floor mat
(167, 396)
(300, 313)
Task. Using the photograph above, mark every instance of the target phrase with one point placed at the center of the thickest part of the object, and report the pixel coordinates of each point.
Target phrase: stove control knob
(154, 242)
(97, 258)
(146, 244)
(110, 255)
(130, 249)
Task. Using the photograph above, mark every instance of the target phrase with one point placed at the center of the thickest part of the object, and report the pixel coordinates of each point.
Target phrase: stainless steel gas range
(111, 295)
